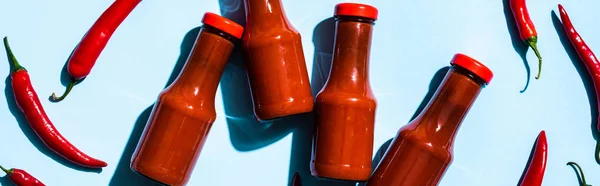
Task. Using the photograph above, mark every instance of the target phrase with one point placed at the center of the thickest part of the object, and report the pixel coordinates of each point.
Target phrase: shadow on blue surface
(323, 38)
(246, 132)
(65, 79)
(378, 156)
(5, 181)
(30, 134)
(583, 73)
(580, 176)
(436, 81)
(532, 152)
(518, 44)
(123, 175)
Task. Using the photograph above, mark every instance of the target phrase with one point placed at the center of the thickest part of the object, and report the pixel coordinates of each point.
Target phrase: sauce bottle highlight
(275, 62)
(345, 107)
(422, 150)
(185, 111)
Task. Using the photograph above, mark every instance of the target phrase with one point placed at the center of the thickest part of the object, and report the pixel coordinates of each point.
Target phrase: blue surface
(412, 42)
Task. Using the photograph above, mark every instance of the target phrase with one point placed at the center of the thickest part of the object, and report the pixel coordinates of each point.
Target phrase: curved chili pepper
(86, 53)
(29, 103)
(579, 172)
(296, 180)
(21, 178)
(587, 57)
(536, 168)
(526, 29)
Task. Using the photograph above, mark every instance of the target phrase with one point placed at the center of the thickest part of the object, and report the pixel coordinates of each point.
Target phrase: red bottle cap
(473, 66)
(223, 24)
(356, 9)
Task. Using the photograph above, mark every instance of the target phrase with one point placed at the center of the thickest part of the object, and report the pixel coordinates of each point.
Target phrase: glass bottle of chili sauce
(185, 111)
(345, 107)
(422, 150)
(275, 62)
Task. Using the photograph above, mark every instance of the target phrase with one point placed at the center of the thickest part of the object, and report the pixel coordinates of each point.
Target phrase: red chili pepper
(536, 168)
(579, 172)
(296, 180)
(587, 57)
(526, 28)
(21, 178)
(29, 103)
(86, 53)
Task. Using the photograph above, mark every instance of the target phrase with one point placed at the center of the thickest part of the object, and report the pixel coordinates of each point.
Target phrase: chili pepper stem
(11, 57)
(579, 172)
(532, 42)
(69, 88)
(7, 171)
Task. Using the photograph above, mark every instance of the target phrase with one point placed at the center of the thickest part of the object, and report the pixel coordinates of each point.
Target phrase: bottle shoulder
(335, 97)
(270, 36)
(425, 139)
(193, 106)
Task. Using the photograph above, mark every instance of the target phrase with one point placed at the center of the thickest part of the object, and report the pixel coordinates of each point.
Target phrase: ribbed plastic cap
(223, 24)
(356, 9)
(473, 66)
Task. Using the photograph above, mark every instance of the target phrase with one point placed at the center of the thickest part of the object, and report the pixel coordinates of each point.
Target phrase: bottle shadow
(518, 44)
(30, 134)
(436, 81)
(246, 132)
(5, 181)
(233, 10)
(583, 73)
(123, 175)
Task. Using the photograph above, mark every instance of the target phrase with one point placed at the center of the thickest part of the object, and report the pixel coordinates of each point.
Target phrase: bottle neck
(265, 14)
(199, 78)
(442, 117)
(352, 46)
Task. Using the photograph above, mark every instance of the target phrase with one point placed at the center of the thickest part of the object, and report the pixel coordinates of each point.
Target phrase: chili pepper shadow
(583, 73)
(5, 181)
(30, 134)
(123, 175)
(579, 178)
(518, 44)
(246, 132)
(532, 152)
(436, 81)
(65, 79)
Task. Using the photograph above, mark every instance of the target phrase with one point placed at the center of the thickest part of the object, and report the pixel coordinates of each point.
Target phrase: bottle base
(339, 172)
(158, 177)
(142, 175)
(283, 110)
